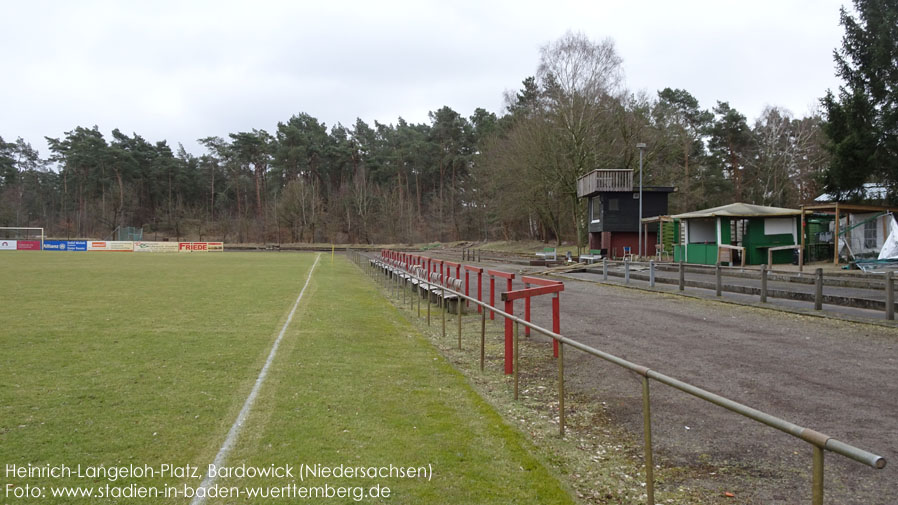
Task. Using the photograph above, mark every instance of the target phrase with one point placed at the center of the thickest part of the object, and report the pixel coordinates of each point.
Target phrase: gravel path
(834, 376)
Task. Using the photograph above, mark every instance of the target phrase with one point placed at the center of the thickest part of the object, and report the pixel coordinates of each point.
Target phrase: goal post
(21, 238)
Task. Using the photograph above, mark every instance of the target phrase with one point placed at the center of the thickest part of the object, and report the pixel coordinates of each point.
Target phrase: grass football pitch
(117, 367)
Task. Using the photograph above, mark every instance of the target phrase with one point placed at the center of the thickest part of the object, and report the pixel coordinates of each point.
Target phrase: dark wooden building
(613, 210)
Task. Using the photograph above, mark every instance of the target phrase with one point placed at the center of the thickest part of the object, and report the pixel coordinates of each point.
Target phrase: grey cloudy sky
(185, 69)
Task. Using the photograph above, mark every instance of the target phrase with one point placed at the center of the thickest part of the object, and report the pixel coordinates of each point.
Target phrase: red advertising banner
(28, 245)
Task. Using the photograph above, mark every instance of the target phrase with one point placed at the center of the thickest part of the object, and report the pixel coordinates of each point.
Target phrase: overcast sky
(185, 69)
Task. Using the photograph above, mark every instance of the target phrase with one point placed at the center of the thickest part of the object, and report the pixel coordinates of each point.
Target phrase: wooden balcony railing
(605, 180)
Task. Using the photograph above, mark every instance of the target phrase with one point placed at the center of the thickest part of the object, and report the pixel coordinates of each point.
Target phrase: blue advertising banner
(65, 245)
(55, 245)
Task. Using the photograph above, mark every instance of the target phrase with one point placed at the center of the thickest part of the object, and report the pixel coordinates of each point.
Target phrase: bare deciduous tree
(581, 84)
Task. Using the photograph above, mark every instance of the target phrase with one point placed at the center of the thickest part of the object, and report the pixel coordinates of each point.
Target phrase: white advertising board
(155, 246)
(108, 245)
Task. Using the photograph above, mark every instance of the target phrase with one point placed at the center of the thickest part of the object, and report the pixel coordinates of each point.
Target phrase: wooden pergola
(838, 209)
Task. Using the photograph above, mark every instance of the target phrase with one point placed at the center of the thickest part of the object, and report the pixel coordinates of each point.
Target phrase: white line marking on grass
(228, 444)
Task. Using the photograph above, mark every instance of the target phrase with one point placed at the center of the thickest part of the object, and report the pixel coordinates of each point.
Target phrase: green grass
(357, 385)
(117, 359)
(125, 358)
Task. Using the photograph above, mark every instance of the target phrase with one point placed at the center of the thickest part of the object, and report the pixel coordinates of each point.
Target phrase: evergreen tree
(862, 121)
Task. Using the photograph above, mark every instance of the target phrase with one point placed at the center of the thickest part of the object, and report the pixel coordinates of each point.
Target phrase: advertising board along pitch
(109, 245)
(20, 245)
(65, 245)
(159, 247)
(201, 246)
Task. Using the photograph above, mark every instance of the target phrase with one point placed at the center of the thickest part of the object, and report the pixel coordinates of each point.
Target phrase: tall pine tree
(862, 121)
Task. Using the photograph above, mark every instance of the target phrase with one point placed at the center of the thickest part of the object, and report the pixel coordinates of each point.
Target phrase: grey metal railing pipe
(647, 441)
(817, 439)
(847, 450)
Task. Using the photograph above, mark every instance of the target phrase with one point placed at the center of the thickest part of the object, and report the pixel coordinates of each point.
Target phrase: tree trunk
(686, 166)
(408, 232)
(418, 194)
(121, 197)
(212, 198)
(237, 191)
(257, 173)
(442, 174)
(578, 222)
(169, 196)
(452, 214)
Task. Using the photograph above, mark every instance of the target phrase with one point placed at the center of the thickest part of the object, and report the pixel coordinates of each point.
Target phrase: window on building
(703, 231)
(595, 209)
(870, 234)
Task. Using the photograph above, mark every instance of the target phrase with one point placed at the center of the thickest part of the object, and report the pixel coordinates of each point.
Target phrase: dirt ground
(837, 377)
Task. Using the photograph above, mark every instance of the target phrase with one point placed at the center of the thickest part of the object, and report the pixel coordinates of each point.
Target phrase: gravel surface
(837, 377)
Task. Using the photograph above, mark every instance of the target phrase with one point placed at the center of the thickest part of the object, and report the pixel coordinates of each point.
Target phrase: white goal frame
(23, 228)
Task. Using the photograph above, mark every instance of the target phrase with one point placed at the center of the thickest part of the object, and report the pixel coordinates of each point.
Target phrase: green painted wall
(702, 254)
(725, 237)
(756, 244)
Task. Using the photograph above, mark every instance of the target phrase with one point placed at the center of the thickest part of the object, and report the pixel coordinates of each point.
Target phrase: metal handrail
(815, 279)
(819, 440)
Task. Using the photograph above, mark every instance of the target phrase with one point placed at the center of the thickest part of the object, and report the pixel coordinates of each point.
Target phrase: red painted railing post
(556, 321)
(509, 338)
(479, 272)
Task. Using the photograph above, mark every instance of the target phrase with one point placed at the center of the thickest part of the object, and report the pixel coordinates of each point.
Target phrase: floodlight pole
(641, 147)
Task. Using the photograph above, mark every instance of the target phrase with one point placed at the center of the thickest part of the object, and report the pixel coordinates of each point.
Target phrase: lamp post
(641, 147)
